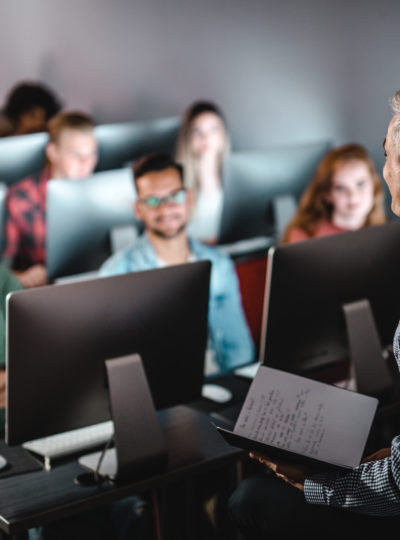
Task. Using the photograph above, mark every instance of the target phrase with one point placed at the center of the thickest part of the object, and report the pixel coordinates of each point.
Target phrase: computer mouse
(3, 462)
(215, 392)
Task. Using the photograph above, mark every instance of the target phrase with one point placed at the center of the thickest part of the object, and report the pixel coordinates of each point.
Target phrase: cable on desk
(157, 518)
(97, 479)
(100, 478)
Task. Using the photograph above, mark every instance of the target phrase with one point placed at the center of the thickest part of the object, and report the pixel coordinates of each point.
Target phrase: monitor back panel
(253, 179)
(80, 216)
(308, 283)
(3, 192)
(59, 336)
(21, 156)
(122, 143)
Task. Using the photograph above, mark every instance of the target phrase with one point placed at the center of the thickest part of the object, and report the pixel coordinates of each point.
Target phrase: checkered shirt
(25, 225)
(371, 488)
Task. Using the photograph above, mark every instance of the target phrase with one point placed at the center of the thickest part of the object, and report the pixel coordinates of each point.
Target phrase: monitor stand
(285, 207)
(140, 446)
(367, 365)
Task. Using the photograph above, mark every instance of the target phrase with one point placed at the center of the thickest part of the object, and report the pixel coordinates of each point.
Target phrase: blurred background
(283, 72)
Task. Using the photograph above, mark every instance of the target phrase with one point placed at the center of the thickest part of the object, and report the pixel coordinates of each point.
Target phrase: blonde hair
(314, 206)
(184, 154)
(74, 120)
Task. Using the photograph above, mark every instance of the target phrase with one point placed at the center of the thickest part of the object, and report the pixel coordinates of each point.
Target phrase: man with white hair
(338, 504)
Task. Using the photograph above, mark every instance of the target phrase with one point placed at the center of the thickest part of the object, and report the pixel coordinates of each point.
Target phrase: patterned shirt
(25, 225)
(371, 488)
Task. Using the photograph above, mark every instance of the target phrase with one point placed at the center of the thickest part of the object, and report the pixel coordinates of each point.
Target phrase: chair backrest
(252, 275)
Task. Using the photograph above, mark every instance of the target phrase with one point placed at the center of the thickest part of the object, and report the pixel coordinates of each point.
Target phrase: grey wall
(283, 71)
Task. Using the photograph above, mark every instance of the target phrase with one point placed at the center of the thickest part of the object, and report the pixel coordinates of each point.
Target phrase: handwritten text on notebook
(302, 415)
(282, 421)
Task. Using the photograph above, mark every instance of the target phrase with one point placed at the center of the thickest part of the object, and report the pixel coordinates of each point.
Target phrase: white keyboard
(248, 371)
(70, 442)
(249, 245)
(84, 276)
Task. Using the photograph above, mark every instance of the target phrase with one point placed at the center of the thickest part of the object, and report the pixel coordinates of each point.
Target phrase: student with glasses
(164, 205)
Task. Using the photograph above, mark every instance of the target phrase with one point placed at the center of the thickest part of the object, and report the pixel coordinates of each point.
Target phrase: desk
(238, 386)
(35, 498)
(194, 447)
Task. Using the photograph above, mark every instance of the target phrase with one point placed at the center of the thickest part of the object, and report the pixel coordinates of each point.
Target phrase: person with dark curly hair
(28, 108)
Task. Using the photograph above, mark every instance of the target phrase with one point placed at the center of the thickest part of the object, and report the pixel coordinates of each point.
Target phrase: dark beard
(160, 234)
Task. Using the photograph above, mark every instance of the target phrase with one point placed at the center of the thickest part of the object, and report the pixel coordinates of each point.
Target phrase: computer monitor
(122, 143)
(59, 336)
(119, 144)
(257, 184)
(79, 217)
(21, 155)
(3, 192)
(309, 282)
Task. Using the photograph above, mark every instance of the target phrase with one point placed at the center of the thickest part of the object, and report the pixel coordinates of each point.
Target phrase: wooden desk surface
(33, 499)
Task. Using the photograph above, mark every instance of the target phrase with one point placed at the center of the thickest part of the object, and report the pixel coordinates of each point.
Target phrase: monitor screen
(21, 155)
(80, 216)
(253, 181)
(309, 282)
(59, 336)
(121, 144)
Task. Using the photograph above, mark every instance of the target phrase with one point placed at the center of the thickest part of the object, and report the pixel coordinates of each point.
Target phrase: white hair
(396, 125)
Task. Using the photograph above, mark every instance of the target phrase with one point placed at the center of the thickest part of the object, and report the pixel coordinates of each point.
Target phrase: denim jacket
(228, 331)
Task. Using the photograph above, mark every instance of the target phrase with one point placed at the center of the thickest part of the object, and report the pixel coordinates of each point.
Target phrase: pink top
(325, 228)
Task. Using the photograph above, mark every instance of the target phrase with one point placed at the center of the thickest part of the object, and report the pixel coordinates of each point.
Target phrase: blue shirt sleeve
(229, 332)
(116, 264)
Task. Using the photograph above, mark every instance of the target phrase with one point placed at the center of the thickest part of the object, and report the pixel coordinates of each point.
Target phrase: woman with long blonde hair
(345, 194)
(203, 142)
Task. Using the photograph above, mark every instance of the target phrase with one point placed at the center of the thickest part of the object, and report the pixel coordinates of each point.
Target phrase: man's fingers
(264, 460)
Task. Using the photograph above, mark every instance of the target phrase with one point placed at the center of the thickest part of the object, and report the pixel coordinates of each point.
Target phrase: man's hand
(2, 388)
(35, 276)
(290, 473)
(380, 454)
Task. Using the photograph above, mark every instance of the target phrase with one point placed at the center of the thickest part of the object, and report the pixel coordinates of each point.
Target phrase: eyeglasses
(176, 197)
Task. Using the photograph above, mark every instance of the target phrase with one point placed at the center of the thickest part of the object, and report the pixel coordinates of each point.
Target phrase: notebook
(293, 418)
